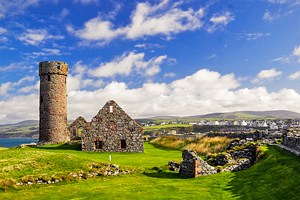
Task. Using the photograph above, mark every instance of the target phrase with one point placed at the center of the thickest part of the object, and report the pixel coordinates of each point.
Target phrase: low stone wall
(292, 141)
(98, 170)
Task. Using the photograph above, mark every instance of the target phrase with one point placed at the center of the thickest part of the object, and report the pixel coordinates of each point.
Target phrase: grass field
(157, 127)
(276, 176)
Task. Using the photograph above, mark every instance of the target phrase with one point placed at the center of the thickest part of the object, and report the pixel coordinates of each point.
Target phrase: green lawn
(276, 176)
(157, 127)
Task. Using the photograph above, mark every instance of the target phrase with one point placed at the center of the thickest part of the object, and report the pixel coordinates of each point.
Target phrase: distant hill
(23, 123)
(274, 114)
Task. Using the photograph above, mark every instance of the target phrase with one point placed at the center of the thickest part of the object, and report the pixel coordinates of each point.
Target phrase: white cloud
(14, 7)
(268, 16)
(2, 30)
(295, 76)
(148, 46)
(76, 81)
(220, 21)
(223, 19)
(289, 2)
(283, 59)
(296, 51)
(19, 108)
(152, 20)
(255, 36)
(96, 30)
(4, 87)
(267, 74)
(164, 18)
(128, 63)
(9, 86)
(170, 75)
(37, 36)
(86, 1)
(202, 92)
(44, 52)
(21, 66)
(31, 88)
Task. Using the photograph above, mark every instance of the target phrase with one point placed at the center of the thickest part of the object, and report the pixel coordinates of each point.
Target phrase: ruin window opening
(74, 132)
(58, 66)
(99, 144)
(79, 131)
(49, 77)
(110, 109)
(123, 144)
(41, 99)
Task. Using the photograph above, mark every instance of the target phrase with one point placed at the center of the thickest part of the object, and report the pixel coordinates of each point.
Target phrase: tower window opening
(49, 77)
(99, 144)
(41, 99)
(123, 144)
(110, 109)
(58, 66)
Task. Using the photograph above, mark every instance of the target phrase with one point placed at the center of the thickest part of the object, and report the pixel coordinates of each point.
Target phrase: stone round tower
(53, 102)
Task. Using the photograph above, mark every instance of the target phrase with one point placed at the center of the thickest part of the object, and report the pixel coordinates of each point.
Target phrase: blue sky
(154, 58)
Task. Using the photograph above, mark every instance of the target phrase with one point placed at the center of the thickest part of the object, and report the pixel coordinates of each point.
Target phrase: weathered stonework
(112, 130)
(292, 141)
(75, 129)
(193, 166)
(53, 102)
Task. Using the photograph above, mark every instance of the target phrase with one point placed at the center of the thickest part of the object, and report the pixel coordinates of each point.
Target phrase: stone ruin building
(111, 130)
(75, 129)
(53, 102)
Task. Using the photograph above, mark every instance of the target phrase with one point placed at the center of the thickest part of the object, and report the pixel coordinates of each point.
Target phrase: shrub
(202, 145)
(6, 183)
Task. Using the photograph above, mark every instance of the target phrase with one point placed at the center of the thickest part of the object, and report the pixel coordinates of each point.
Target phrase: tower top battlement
(53, 67)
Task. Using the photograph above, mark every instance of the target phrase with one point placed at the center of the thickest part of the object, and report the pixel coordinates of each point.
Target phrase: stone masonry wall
(112, 130)
(53, 102)
(193, 166)
(292, 141)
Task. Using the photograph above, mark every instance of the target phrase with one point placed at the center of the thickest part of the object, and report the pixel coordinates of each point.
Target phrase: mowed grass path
(277, 176)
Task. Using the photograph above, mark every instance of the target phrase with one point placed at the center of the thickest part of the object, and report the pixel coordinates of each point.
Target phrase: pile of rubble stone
(239, 156)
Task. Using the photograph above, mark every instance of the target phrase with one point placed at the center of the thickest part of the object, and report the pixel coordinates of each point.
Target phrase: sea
(13, 142)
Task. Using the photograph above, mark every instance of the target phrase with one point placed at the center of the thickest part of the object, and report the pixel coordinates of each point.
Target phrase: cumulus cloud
(37, 36)
(295, 76)
(127, 63)
(267, 74)
(77, 80)
(202, 92)
(19, 108)
(164, 18)
(149, 20)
